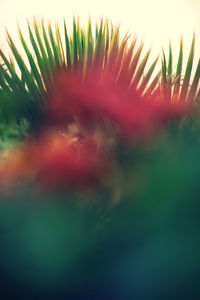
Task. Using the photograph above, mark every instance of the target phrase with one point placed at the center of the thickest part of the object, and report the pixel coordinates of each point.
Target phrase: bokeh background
(148, 246)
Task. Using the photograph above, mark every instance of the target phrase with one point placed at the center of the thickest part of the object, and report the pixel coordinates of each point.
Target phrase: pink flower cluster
(99, 96)
(59, 157)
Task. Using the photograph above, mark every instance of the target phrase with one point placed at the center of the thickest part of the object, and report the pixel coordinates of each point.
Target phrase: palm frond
(179, 86)
(84, 48)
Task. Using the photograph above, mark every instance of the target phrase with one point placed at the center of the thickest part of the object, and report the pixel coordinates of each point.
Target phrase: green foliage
(152, 235)
(23, 84)
(141, 243)
(180, 86)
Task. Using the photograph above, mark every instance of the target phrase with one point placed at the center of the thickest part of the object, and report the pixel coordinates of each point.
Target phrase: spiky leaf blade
(194, 87)
(147, 77)
(140, 70)
(178, 73)
(33, 66)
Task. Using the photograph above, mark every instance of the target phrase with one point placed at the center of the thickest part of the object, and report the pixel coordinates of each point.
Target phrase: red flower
(57, 161)
(59, 158)
(75, 163)
(100, 96)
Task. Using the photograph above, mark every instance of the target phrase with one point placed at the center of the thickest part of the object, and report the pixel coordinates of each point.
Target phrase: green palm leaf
(180, 88)
(186, 79)
(83, 49)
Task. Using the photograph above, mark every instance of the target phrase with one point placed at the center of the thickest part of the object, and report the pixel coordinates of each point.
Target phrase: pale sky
(155, 21)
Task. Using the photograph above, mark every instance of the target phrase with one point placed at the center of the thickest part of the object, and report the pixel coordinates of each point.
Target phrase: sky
(155, 21)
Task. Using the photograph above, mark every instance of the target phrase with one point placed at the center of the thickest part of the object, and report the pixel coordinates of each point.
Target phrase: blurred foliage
(67, 246)
(62, 246)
